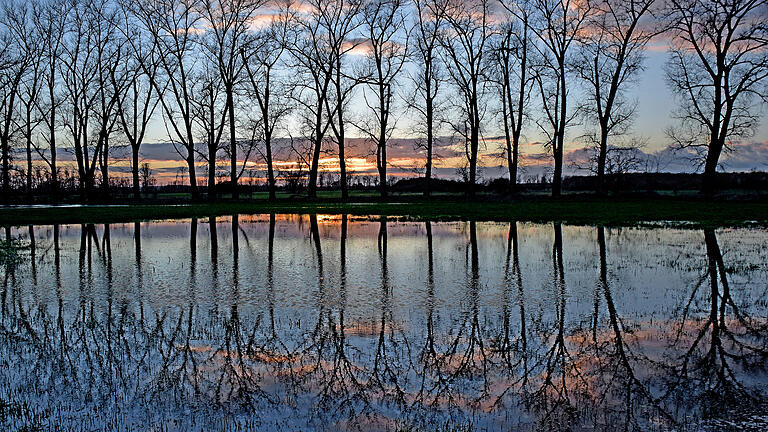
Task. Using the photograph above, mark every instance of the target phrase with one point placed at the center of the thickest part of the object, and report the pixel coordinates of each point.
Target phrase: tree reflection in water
(377, 324)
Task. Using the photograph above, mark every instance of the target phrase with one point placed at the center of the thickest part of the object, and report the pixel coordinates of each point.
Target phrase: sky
(655, 105)
(654, 109)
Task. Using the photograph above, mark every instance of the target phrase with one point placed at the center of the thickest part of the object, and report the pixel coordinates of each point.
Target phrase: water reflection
(335, 323)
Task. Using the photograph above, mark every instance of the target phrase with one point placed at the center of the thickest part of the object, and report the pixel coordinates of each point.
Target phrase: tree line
(227, 78)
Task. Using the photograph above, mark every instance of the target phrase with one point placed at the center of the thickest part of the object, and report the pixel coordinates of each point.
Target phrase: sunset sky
(654, 114)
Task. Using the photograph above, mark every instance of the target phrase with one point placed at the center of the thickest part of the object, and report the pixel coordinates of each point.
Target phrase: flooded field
(288, 322)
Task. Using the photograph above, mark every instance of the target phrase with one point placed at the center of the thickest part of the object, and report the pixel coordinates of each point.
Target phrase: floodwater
(295, 322)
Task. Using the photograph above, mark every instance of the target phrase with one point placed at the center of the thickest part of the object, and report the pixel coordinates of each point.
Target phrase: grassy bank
(573, 210)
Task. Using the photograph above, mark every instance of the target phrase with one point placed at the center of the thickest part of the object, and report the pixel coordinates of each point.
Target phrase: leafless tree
(13, 67)
(209, 112)
(384, 27)
(313, 62)
(140, 99)
(718, 69)
(465, 47)
(111, 81)
(558, 26)
(262, 56)
(339, 20)
(611, 58)
(19, 21)
(174, 27)
(90, 53)
(515, 80)
(425, 45)
(49, 21)
(228, 23)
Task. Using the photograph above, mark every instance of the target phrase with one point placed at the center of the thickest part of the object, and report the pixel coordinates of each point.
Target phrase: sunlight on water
(295, 322)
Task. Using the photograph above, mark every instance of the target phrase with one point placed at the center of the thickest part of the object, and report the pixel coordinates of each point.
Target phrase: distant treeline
(226, 78)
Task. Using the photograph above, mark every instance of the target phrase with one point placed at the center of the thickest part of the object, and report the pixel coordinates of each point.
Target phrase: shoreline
(576, 210)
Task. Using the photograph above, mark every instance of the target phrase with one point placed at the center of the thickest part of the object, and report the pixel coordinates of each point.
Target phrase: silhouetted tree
(611, 58)
(719, 70)
(465, 46)
(558, 27)
(384, 27)
(425, 47)
(515, 80)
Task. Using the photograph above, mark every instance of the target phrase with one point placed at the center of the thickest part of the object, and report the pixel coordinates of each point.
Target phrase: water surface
(292, 322)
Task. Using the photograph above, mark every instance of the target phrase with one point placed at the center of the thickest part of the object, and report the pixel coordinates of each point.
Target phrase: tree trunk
(135, 172)
(6, 168)
(312, 187)
(29, 153)
(601, 158)
(232, 143)
(430, 139)
(342, 157)
(211, 170)
(709, 180)
(105, 168)
(558, 173)
(192, 175)
(474, 143)
(270, 168)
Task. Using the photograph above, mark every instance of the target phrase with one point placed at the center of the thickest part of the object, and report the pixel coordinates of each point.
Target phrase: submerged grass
(10, 252)
(572, 210)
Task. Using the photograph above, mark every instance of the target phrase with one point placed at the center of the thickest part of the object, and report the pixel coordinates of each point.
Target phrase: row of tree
(225, 77)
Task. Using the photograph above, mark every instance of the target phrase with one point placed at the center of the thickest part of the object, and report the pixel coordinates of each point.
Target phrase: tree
(718, 69)
(465, 48)
(210, 114)
(49, 22)
(309, 46)
(140, 99)
(611, 58)
(261, 56)
(557, 26)
(88, 54)
(174, 26)
(13, 67)
(227, 23)
(511, 58)
(339, 20)
(29, 42)
(424, 52)
(147, 179)
(384, 28)
(111, 81)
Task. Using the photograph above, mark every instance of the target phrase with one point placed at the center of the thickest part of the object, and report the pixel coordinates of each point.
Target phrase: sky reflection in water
(296, 322)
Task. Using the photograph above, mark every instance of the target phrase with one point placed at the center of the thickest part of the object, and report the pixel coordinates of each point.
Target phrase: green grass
(572, 210)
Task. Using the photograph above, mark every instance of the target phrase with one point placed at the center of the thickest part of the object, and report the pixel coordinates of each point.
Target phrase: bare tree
(227, 23)
(209, 112)
(718, 69)
(465, 48)
(49, 21)
(174, 26)
(13, 68)
(611, 58)
(140, 99)
(511, 57)
(557, 26)
(111, 81)
(340, 19)
(384, 27)
(261, 57)
(313, 61)
(82, 70)
(426, 30)
(30, 45)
